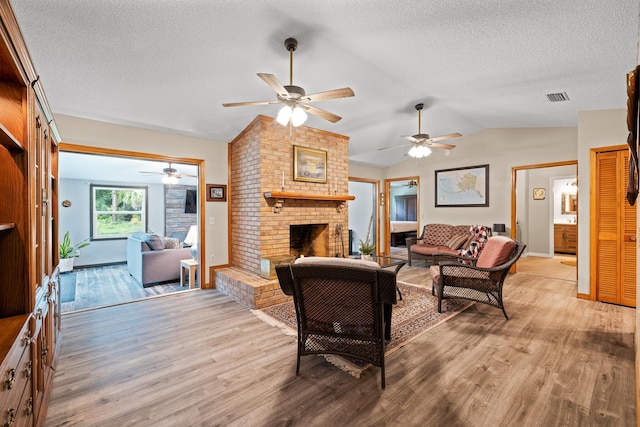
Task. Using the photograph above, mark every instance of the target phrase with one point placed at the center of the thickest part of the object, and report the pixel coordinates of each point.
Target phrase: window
(117, 212)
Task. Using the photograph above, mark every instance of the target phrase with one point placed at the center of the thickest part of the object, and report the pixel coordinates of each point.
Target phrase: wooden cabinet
(565, 238)
(29, 290)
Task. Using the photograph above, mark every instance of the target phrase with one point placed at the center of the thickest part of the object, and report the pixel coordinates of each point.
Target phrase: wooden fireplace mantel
(307, 196)
(280, 196)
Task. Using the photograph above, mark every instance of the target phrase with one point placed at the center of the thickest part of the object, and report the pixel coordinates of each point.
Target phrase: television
(190, 203)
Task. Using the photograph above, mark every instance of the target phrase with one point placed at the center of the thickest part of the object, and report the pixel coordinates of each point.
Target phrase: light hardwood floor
(199, 358)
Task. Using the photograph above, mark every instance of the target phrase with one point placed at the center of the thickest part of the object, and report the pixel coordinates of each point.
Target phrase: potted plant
(367, 247)
(69, 251)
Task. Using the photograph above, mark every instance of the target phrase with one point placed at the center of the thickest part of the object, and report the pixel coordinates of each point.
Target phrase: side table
(191, 265)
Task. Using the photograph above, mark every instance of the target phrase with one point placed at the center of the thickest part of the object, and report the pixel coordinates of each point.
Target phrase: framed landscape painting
(462, 187)
(309, 164)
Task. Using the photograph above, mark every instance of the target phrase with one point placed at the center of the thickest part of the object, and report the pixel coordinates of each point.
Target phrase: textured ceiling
(170, 64)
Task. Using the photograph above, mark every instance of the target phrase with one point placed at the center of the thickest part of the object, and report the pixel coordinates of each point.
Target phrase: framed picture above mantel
(309, 164)
(462, 187)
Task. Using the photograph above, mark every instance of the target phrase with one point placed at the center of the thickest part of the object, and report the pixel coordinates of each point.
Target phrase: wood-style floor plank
(200, 359)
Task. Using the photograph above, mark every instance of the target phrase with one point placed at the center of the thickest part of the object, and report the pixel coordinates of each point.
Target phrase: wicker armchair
(480, 279)
(338, 310)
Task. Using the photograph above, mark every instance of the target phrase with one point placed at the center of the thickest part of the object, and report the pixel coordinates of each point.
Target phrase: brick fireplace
(261, 162)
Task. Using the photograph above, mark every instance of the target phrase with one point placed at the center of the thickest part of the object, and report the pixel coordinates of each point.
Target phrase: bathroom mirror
(569, 203)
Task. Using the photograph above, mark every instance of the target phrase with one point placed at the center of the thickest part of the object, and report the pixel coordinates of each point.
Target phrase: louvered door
(615, 227)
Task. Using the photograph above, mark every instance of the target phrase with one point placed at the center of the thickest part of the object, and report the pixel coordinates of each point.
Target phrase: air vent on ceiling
(558, 97)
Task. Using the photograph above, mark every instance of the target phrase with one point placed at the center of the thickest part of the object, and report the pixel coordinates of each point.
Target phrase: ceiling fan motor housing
(291, 44)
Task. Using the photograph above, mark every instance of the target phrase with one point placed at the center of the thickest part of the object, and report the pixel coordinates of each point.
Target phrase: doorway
(402, 211)
(363, 214)
(80, 169)
(537, 217)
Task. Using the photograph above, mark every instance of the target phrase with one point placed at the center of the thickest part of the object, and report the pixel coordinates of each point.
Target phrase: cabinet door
(558, 238)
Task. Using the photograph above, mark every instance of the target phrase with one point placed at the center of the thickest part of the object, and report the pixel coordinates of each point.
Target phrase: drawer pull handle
(27, 370)
(10, 381)
(27, 338)
(11, 412)
(28, 407)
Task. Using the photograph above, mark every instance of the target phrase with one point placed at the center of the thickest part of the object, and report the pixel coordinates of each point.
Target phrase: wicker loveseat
(439, 238)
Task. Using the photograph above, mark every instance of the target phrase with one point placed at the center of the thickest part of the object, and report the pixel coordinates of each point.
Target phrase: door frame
(514, 175)
(387, 208)
(84, 149)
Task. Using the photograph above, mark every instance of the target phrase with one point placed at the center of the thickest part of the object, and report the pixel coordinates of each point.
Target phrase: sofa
(152, 259)
(448, 239)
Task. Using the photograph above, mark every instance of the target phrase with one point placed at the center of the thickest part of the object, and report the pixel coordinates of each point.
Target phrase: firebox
(309, 240)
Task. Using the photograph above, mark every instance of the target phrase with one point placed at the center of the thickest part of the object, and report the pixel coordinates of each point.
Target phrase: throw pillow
(155, 243)
(171, 243)
(456, 241)
(497, 251)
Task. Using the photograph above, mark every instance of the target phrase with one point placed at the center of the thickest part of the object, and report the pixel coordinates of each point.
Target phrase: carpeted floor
(414, 315)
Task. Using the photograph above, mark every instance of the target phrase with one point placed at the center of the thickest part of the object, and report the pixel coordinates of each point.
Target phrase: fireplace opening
(309, 240)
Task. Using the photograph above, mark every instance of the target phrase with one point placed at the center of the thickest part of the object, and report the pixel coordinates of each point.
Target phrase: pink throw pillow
(497, 251)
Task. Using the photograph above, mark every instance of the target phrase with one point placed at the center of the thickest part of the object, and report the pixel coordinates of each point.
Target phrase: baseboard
(106, 264)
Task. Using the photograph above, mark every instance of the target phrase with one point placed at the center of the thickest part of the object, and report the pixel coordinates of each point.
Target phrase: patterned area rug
(414, 315)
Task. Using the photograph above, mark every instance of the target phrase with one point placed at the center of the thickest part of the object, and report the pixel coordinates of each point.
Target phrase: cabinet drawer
(14, 367)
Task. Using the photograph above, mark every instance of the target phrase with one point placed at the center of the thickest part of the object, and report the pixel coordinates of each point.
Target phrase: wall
(502, 149)
(76, 130)
(77, 218)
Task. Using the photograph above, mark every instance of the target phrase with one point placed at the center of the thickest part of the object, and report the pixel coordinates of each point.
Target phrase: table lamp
(498, 228)
(192, 240)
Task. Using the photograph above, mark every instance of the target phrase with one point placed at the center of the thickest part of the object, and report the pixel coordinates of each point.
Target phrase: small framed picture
(216, 193)
(539, 194)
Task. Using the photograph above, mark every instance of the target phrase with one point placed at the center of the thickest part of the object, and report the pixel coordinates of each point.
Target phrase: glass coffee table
(387, 261)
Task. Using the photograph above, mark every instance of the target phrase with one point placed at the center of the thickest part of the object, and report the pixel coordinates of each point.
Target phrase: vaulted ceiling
(170, 64)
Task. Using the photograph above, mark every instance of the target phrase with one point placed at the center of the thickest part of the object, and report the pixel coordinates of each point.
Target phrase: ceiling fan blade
(151, 173)
(439, 145)
(393, 146)
(244, 104)
(451, 135)
(344, 92)
(189, 175)
(275, 84)
(321, 113)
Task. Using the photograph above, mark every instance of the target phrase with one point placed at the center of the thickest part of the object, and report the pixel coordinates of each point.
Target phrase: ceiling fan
(422, 141)
(171, 175)
(294, 97)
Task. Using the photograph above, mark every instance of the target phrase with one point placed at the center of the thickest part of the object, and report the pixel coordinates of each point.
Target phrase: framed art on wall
(309, 164)
(539, 194)
(462, 187)
(216, 193)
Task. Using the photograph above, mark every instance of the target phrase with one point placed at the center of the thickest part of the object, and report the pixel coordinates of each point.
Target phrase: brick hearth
(259, 156)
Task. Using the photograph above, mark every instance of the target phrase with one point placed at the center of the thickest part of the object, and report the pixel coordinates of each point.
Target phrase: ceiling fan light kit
(294, 115)
(296, 101)
(170, 179)
(419, 151)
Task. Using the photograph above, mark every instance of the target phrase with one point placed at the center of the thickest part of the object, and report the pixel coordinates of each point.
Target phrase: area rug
(67, 287)
(412, 316)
